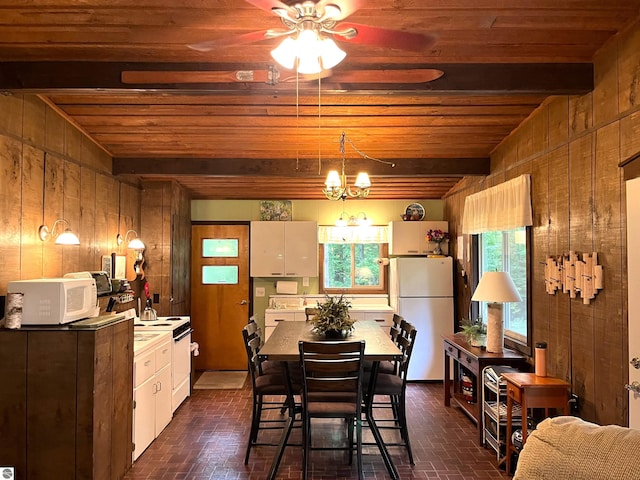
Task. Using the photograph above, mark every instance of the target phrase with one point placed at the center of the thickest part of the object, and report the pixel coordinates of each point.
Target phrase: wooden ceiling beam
(486, 78)
(300, 168)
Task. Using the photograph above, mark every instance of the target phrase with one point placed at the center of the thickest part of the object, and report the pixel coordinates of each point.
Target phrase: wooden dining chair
(265, 383)
(310, 312)
(393, 387)
(332, 388)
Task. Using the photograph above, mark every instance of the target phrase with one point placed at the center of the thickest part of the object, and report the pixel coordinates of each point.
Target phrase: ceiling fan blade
(383, 37)
(229, 41)
(347, 7)
(269, 5)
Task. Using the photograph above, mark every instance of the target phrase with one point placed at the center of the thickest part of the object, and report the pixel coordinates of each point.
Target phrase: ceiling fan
(324, 20)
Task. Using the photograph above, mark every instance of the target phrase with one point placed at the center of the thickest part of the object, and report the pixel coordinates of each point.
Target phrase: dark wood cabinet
(471, 360)
(67, 402)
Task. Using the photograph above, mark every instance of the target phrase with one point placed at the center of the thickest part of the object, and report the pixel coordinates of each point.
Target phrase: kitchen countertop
(146, 340)
(356, 308)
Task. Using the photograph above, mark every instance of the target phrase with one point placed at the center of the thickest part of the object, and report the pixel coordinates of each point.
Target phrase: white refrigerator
(421, 290)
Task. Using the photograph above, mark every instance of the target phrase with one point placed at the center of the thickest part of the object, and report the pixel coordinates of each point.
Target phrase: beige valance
(352, 234)
(503, 207)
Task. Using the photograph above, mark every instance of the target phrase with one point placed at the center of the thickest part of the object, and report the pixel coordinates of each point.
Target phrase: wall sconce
(65, 238)
(135, 243)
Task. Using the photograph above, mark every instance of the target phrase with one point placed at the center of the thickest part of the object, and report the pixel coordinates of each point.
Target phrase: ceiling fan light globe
(285, 53)
(309, 64)
(330, 53)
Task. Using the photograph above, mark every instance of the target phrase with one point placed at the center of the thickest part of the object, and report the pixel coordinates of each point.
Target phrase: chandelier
(336, 187)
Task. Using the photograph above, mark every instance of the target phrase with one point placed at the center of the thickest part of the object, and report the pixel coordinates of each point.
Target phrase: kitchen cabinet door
(163, 411)
(144, 423)
(267, 249)
(301, 249)
(284, 249)
(408, 238)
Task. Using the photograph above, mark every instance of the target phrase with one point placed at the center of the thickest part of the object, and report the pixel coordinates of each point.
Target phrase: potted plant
(475, 331)
(332, 319)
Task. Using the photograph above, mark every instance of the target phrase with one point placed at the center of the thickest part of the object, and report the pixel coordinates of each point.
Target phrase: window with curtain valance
(503, 207)
(352, 234)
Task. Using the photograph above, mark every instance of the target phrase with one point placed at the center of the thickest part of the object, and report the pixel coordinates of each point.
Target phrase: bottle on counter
(541, 359)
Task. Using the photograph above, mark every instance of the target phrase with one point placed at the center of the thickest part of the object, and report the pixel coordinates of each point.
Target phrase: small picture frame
(119, 266)
(275, 210)
(107, 265)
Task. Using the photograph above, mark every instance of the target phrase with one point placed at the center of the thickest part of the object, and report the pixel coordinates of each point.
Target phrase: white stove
(180, 328)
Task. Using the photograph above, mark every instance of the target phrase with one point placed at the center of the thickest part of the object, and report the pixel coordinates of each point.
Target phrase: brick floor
(207, 439)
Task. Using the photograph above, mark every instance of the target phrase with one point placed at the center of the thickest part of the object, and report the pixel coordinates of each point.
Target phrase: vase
(437, 250)
(336, 334)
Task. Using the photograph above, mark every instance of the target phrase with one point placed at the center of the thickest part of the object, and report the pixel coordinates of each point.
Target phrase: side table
(531, 391)
(473, 360)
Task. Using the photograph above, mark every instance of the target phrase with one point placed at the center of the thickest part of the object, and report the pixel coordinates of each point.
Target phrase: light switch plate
(260, 292)
(305, 281)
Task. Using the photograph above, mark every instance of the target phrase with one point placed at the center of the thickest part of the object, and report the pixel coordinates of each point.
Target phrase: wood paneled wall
(50, 170)
(572, 146)
(166, 230)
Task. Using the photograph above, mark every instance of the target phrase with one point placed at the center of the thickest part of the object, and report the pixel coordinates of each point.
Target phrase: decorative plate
(415, 211)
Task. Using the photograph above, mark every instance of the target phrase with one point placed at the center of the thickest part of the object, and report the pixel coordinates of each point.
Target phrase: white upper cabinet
(284, 249)
(408, 238)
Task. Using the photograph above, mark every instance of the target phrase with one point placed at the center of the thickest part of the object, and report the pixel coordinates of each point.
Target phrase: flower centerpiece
(332, 319)
(437, 236)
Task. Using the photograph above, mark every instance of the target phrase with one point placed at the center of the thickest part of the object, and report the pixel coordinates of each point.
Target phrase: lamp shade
(67, 238)
(496, 287)
(333, 180)
(362, 180)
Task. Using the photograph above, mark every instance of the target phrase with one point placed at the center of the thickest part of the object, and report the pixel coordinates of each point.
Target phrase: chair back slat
(332, 366)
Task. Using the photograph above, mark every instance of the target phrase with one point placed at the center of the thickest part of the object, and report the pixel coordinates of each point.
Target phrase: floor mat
(221, 380)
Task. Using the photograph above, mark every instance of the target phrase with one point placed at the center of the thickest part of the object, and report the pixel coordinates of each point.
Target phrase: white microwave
(54, 301)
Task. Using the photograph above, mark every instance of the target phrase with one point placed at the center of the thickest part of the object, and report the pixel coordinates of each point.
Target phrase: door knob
(243, 302)
(634, 387)
(635, 361)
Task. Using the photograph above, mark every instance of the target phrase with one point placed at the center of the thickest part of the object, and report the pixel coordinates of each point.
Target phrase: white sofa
(571, 448)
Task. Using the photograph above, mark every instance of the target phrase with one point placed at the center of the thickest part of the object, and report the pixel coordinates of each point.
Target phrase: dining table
(282, 346)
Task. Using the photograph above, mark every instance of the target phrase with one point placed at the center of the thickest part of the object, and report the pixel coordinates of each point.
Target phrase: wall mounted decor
(275, 210)
(575, 276)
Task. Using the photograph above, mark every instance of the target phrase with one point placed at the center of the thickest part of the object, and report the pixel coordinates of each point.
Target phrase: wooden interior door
(220, 295)
(633, 273)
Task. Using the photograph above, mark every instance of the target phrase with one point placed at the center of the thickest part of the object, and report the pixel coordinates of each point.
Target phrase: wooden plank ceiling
(230, 123)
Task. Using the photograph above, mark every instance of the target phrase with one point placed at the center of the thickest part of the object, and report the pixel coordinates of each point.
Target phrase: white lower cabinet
(271, 320)
(273, 317)
(151, 393)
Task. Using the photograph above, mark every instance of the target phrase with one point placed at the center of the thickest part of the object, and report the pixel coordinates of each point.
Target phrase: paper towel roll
(287, 287)
(13, 316)
(383, 261)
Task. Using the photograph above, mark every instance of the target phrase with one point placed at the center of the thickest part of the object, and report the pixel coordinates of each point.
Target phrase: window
(506, 251)
(352, 266)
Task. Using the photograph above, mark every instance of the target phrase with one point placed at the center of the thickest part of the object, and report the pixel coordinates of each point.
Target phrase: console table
(531, 391)
(473, 360)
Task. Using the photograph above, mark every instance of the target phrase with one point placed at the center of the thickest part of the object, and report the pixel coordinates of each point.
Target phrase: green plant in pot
(332, 319)
(474, 331)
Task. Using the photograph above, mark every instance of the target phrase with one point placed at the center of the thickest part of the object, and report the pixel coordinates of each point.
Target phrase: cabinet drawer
(272, 319)
(469, 362)
(514, 393)
(144, 366)
(452, 351)
(163, 354)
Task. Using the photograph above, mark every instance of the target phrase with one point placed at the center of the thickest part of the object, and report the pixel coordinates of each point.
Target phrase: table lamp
(495, 288)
